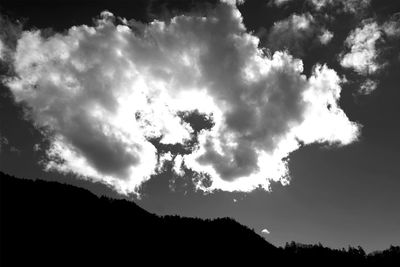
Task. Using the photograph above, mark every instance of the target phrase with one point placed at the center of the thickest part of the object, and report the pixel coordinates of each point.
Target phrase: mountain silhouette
(51, 224)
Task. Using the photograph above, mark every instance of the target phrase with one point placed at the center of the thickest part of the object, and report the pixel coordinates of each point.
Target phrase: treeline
(52, 224)
(352, 256)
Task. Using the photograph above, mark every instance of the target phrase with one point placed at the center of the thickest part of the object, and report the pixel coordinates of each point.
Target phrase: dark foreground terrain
(51, 224)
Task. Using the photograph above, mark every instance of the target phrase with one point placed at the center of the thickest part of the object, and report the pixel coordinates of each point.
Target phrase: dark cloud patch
(198, 122)
(105, 152)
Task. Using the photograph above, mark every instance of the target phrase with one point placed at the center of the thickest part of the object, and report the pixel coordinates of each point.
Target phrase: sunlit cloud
(117, 101)
(265, 231)
(362, 44)
(281, 2)
(365, 47)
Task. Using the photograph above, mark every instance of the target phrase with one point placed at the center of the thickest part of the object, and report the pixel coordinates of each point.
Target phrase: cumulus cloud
(362, 45)
(297, 33)
(117, 101)
(371, 48)
(363, 53)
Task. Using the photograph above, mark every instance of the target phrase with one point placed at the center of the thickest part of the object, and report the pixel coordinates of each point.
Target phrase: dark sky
(339, 196)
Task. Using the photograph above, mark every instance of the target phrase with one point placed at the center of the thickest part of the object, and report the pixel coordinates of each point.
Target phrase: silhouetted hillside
(47, 223)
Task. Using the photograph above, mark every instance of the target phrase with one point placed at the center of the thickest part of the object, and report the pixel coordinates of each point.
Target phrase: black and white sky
(282, 114)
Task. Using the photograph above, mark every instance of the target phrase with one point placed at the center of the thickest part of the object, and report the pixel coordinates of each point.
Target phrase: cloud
(291, 33)
(2, 50)
(233, 2)
(9, 34)
(116, 101)
(363, 54)
(367, 87)
(369, 44)
(281, 2)
(265, 231)
(297, 33)
(392, 27)
(371, 47)
(5, 145)
(325, 37)
(3, 142)
(349, 6)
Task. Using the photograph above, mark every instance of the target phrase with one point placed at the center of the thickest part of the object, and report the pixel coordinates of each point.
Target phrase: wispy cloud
(350, 6)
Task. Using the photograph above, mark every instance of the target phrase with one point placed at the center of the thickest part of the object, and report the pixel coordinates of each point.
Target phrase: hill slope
(51, 224)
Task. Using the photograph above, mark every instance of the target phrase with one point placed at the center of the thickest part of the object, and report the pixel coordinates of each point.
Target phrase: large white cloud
(104, 92)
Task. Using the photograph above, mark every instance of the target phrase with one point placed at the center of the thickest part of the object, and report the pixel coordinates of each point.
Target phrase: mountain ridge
(49, 223)
(74, 219)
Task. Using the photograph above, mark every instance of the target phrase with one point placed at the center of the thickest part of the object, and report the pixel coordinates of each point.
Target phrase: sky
(281, 114)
